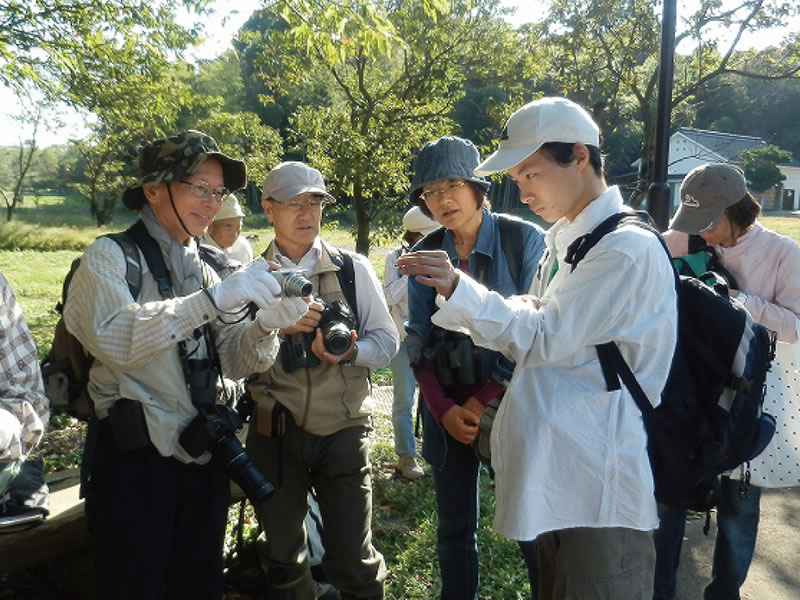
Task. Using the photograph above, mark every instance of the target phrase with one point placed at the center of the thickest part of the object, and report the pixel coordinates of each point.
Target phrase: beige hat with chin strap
(230, 208)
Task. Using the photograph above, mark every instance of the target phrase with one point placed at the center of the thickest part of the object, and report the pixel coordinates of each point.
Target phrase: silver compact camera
(293, 282)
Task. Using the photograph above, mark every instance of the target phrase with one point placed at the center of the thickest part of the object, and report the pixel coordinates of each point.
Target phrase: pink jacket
(767, 266)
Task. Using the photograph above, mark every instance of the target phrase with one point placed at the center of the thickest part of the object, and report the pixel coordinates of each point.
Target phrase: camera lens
(337, 338)
(293, 283)
(241, 469)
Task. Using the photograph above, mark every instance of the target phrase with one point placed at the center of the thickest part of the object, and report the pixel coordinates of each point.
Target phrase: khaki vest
(323, 399)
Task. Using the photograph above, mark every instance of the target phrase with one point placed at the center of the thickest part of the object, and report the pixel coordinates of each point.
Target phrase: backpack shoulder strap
(215, 258)
(434, 240)
(578, 250)
(133, 271)
(511, 240)
(152, 255)
(346, 276)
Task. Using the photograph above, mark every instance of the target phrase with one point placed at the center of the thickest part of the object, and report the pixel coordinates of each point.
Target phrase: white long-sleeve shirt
(395, 289)
(567, 452)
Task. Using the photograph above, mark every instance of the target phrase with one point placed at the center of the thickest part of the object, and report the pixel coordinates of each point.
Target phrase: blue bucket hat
(446, 158)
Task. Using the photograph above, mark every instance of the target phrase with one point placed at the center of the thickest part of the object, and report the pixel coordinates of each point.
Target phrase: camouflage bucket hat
(176, 157)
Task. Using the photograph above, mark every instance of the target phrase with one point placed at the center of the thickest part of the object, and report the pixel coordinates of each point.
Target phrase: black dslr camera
(336, 321)
(215, 431)
(453, 354)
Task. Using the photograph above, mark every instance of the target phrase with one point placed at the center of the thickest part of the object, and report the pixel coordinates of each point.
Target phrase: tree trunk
(362, 223)
(106, 215)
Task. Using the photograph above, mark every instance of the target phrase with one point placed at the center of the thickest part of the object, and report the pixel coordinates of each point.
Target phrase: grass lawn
(35, 253)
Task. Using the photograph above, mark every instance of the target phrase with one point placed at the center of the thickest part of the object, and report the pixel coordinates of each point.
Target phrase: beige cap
(292, 178)
(230, 208)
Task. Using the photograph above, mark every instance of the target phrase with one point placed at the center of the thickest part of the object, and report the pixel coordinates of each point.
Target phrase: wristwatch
(350, 361)
(742, 297)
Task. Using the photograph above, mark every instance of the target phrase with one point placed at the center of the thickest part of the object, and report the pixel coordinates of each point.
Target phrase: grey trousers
(338, 467)
(596, 564)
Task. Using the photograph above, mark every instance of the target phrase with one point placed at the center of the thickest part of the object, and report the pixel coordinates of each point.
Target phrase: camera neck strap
(200, 374)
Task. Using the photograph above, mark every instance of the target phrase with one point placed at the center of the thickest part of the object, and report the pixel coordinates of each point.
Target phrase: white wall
(685, 154)
(792, 182)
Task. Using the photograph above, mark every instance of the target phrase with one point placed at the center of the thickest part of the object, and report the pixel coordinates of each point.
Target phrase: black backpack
(710, 418)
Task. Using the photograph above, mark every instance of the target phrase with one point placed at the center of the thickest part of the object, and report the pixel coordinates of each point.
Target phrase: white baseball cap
(539, 122)
(292, 178)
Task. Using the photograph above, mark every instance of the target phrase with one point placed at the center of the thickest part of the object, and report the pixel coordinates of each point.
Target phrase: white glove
(285, 314)
(10, 434)
(254, 283)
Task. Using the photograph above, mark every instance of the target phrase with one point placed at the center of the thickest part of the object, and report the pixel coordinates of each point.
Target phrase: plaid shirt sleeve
(21, 388)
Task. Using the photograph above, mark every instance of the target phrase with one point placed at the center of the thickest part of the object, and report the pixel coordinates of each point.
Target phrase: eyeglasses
(312, 203)
(200, 189)
(448, 189)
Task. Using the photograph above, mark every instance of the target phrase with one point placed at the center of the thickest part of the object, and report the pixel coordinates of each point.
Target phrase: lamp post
(659, 198)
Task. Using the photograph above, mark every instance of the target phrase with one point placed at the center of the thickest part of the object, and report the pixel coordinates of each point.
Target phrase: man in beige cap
(312, 414)
(395, 288)
(225, 231)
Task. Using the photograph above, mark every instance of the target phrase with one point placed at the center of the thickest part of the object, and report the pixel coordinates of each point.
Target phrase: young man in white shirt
(570, 457)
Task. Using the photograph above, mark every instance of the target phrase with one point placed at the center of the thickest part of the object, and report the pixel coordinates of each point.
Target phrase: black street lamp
(659, 198)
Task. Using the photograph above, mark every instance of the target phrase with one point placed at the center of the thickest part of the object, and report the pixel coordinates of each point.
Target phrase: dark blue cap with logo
(446, 158)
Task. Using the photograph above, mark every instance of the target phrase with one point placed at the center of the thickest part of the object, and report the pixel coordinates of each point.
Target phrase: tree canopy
(355, 87)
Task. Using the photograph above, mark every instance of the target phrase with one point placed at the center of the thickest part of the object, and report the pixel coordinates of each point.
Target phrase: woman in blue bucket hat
(456, 379)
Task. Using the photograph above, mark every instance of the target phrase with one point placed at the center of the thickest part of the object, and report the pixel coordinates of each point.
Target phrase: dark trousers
(737, 528)
(585, 563)
(157, 524)
(456, 486)
(338, 468)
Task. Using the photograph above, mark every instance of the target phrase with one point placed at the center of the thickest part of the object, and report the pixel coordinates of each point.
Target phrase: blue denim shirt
(421, 297)
(421, 306)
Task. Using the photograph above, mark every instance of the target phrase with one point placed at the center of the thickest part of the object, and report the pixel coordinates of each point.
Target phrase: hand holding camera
(328, 334)
(285, 313)
(255, 283)
(308, 322)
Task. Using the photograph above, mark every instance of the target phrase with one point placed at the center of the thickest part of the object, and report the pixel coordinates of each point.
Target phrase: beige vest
(323, 399)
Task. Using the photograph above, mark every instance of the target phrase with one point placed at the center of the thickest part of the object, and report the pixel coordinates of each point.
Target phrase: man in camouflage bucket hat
(174, 158)
(156, 504)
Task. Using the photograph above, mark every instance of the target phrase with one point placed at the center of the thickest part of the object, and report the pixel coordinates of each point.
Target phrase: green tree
(760, 166)
(100, 173)
(110, 60)
(32, 115)
(49, 42)
(242, 135)
(392, 84)
(613, 46)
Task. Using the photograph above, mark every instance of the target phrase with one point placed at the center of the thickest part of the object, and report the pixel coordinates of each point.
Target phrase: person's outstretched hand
(430, 267)
(254, 284)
